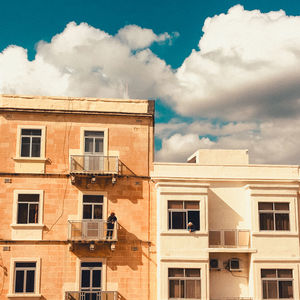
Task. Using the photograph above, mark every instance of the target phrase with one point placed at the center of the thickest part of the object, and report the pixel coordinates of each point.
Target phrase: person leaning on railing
(111, 220)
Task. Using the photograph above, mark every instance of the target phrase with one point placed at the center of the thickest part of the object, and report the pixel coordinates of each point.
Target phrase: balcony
(233, 298)
(91, 230)
(94, 165)
(91, 295)
(232, 238)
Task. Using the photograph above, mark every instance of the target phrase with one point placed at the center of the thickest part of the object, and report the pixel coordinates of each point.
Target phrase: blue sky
(221, 95)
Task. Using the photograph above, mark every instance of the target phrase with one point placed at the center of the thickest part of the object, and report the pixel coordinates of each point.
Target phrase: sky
(224, 74)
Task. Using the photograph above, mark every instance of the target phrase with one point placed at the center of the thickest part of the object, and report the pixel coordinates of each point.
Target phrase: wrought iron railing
(94, 164)
(233, 298)
(231, 238)
(91, 295)
(92, 230)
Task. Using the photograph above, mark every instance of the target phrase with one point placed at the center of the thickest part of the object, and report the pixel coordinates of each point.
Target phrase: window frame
(184, 210)
(184, 279)
(42, 143)
(277, 280)
(93, 205)
(40, 209)
(105, 138)
(12, 279)
(274, 212)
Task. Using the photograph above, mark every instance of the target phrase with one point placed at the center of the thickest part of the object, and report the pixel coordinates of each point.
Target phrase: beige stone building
(244, 240)
(65, 165)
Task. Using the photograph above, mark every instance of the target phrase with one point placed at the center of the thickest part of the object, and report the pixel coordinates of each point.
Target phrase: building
(66, 164)
(244, 242)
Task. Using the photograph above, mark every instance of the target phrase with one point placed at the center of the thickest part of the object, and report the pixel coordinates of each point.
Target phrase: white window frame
(93, 205)
(12, 279)
(40, 211)
(19, 142)
(105, 138)
(183, 210)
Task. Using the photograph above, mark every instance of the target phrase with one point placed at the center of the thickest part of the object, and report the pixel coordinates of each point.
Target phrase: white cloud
(275, 142)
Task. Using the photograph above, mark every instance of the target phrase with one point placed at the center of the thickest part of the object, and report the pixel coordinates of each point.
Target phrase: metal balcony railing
(232, 238)
(91, 295)
(92, 230)
(94, 164)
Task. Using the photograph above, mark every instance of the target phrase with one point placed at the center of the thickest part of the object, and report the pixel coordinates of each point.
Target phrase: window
(277, 283)
(184, 283)
(25, 273)
(274, 216)
(92, 207)
(31, 142)
(93, 142)
(183, 212)
(28, 209)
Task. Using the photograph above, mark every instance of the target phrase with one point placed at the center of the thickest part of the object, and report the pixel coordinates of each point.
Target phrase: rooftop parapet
(220, 157)
(76, 105)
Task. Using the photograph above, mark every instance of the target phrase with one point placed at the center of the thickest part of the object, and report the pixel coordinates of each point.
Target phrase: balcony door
(92, 215)
(93, 150)
(90, 274)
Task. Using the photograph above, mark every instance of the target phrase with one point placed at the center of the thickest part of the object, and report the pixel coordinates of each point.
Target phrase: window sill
(24, 295)
(27, 226)
(30, 159)
(183, 233)
(275, 233)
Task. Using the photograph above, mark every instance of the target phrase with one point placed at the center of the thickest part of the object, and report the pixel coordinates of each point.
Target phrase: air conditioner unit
(214, 264)
(234, 265)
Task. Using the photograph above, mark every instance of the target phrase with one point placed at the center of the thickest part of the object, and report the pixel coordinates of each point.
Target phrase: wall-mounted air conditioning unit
(234, 265)
(214, 264)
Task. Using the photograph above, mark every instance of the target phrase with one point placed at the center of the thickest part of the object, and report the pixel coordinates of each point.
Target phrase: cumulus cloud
(85, 61)
(275, 142)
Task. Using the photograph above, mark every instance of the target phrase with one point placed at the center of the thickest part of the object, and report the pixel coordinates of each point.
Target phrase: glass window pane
(22, 213)
(34, 213)
(178, 220)
(36, 147)
(266, 221)
(91, 264)
(30, 281)
(25, 265)
(25, 147)
(191, 204)
(96, 278)
(88, 145)
(99, 145)
(174, 290)
(175, 204)
(192, 272)
(282, 221)
(193, 289)
(272, 289)
(265, 205)
(268, 273)
(176, 272)
(285, 273)
(286, 289)
(85, 278)
(19, 283)
(94, 133)
(97, 211)
(194, 217)
(28, 197)
(93, 198)
(31, 132)
(282, 206)
(87, 211)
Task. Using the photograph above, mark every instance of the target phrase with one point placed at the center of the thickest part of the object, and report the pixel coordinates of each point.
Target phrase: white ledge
(183, 233)
(275, 233)
(30, 159)
(232, 250)
(27, 226)
(24, 295)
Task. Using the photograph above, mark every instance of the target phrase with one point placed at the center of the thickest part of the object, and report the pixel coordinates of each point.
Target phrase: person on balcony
(111, 220)
(191, 227)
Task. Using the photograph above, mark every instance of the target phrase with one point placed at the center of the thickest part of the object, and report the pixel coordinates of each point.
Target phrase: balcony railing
(233, 298)
(94, 164)
(235, 238)
(91, 295)
(92, 230)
